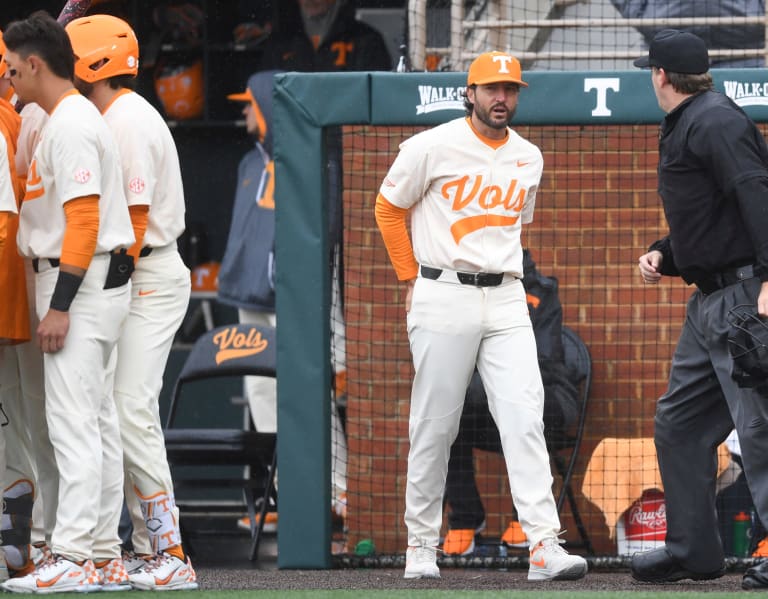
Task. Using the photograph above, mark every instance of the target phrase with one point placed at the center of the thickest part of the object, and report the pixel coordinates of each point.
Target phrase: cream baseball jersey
(150, 162)
(33, 119)
(467, 199)
(7, 195)
(75, 157)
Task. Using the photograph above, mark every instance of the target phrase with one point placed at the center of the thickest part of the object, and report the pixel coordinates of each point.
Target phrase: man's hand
(409, 294)
(52, 331)
(762, 300)
(649, 265)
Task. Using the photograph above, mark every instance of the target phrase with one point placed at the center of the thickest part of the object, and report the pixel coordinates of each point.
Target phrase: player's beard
(485, 116)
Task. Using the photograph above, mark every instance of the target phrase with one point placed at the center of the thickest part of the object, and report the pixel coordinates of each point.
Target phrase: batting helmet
(104, 47)
(180, 89)
(748, 345)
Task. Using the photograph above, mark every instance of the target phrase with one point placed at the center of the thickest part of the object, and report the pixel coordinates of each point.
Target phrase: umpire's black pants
(695, 415)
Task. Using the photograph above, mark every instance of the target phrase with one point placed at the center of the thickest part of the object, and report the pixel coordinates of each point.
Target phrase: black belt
(478, 279)
(721, 280)
(54, 262)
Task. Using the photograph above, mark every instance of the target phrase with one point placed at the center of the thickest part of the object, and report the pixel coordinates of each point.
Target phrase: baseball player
(469, 184)
(106, 63)
(31, 473)
(75, 227)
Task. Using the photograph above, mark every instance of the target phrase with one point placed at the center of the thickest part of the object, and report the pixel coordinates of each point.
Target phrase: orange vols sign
(233, 345)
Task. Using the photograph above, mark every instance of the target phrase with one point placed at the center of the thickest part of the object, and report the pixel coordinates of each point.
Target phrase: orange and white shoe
(549, 561)
(514, 535)
(58, 575)
(459, 541)
(762, 549)
(112, 575)
(165, 572)
(270, 522)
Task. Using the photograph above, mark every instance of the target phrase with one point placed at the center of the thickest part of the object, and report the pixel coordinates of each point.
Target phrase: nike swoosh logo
(44, 584)
(142, 293)
(521, 164)
(161, 582)
(539, 563)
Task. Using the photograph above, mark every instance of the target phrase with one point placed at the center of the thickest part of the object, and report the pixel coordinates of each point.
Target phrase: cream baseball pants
(452, 327)
(81, 415)
(159, 300)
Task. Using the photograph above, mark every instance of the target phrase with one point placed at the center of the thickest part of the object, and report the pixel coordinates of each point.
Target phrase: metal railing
(456, 52)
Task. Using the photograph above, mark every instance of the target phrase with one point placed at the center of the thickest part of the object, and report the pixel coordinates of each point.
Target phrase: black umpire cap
(677, 52)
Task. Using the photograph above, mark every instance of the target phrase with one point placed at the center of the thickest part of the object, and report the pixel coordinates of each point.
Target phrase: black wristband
(65, 291)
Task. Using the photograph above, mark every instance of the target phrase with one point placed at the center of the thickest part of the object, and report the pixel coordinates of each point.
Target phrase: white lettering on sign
(602, 85)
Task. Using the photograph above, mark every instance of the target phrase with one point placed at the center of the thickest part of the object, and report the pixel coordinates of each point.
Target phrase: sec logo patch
(82, 175)
(136, 185)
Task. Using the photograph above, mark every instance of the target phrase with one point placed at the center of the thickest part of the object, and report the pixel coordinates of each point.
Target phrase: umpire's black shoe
(659, 566)
(756, 578)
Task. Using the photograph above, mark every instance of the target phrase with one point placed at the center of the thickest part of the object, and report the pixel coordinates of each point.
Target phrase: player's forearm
(391, 221)
(77, 249)
(139, 218)
(81, 233)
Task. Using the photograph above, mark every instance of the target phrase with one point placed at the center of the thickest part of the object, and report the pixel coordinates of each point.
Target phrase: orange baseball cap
(495, 67)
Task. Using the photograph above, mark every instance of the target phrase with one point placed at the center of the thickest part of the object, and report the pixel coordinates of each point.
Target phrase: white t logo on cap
(504, 60)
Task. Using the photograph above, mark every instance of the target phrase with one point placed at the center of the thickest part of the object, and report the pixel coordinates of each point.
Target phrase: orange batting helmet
(180, 89)
(105, 46)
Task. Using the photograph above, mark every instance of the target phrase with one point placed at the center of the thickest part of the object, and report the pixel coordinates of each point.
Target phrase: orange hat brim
(245, 96)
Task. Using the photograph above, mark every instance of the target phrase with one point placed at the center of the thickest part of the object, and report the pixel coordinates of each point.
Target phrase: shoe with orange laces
(58, 575)
(549, 561)
(514, 535)
(762, 549)
(112, 575)
(270, 522)
(165, 572)
(459, 541)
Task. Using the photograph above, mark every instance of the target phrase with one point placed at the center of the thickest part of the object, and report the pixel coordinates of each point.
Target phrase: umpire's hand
(649, 265)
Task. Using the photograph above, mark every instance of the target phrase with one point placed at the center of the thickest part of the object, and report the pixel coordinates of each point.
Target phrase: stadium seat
(564, 445)
(233, 350)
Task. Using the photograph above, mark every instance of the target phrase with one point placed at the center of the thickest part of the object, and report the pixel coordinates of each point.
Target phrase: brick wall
(596, 213)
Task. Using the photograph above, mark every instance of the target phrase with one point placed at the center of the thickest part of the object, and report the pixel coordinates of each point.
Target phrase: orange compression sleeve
(5, 218)
(139, 217)
(391, 221)
(79, 244)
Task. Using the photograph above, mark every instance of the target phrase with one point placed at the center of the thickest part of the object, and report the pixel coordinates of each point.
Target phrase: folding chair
(232, 350)
(568, 442)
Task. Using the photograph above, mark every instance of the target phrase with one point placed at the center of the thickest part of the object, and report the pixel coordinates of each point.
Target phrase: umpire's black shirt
(713, 182)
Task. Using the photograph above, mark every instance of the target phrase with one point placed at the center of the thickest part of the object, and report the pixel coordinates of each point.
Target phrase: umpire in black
(713, 182)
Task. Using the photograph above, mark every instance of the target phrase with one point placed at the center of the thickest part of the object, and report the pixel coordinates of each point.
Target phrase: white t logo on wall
(602, 85)
(504, 60)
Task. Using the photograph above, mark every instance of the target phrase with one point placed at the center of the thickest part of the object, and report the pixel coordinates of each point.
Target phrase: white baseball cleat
(165, 572)
(549, 561)
(421, 562)
(134, 562)
(58, 575)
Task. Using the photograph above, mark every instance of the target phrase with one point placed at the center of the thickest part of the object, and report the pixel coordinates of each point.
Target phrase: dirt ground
(222, 562)
(452, 578)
